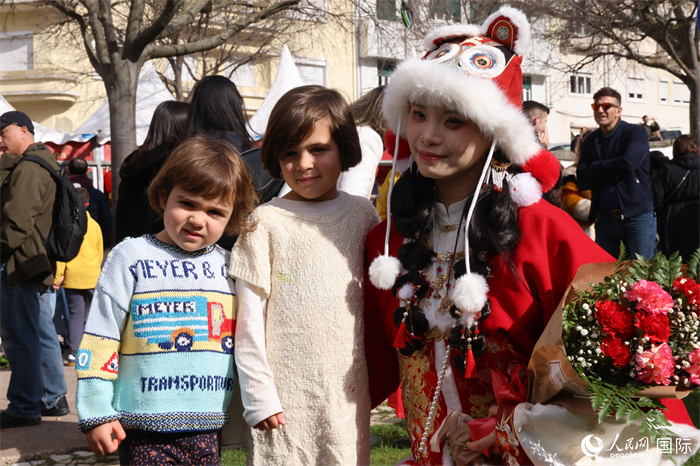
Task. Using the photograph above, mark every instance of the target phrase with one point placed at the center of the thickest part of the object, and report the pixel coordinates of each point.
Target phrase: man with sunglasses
(614, 165)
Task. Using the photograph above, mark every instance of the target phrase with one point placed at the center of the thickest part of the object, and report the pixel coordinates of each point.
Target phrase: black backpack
(69, 224)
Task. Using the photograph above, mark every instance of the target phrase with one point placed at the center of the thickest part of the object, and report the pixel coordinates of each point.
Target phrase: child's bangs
(301, 124)
(208, 180)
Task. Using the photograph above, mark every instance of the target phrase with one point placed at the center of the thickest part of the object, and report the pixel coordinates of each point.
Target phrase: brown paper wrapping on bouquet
(549, 373)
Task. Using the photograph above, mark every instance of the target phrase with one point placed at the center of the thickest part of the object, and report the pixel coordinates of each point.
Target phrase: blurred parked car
(559, 146)
(670, 134)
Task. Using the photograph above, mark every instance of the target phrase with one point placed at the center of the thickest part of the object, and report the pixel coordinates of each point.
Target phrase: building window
(17, 51)
(244, 75)
(635, 88)
(384, 70)
(386, 10)
(527, 88)
(663, 91)
(681, 93)
(580, 84)
(312, 73)
(447, 10)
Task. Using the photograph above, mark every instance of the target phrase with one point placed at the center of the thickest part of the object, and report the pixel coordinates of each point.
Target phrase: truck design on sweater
(176, 323)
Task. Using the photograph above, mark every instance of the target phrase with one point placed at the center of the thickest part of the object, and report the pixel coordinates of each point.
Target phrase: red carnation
(655, 326)
(617, 350)
(689, 287)
(616, 319)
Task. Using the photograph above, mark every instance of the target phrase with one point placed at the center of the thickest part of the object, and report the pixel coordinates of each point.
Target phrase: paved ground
(58, 440)
(58, 435)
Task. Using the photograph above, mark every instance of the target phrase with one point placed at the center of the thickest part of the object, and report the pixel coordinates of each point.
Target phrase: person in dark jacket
(657, 159)
(677, 199)
(134, 214)
(28, 191)
(216, 109)
(614, 165)
(99, 207)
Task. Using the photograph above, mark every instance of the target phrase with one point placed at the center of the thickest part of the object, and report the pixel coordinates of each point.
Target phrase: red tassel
(470, 368)
(402, 336)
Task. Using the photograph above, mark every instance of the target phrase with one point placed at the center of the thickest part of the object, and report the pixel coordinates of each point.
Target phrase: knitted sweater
(307, 261)
(157, 350)
(82, 272)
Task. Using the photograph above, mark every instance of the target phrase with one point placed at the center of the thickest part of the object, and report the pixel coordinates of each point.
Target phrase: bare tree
(253, 45)
(119, 37)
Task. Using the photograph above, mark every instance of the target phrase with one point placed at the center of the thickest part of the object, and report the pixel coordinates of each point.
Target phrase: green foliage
(389, 433)
(692, 403)
(235, 457)
(694, 265)
(622, 258)
(624, 402)
(387, 456)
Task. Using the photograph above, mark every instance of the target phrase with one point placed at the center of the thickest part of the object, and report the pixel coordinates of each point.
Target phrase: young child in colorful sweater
(299, 339)
(155, 367)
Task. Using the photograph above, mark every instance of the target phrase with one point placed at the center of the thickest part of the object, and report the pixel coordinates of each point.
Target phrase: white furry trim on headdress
(518, 18)
(469, 295)
(525, 190)
(454, 30)
(384, 271)
(478, 99)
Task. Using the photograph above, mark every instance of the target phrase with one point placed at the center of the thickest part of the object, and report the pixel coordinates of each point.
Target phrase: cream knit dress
(309, 267)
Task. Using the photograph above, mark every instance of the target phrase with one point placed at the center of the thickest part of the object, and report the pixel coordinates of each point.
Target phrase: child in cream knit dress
(299, 336)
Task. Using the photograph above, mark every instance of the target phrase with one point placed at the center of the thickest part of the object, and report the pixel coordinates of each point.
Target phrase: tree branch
(133, 48)
(183, 19)
(84, 31)
(133, 26)
(160, 51)
(98, 34)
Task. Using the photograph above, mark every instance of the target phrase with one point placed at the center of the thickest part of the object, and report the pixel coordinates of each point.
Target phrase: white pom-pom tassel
(470, 294)
(525, 190)
(406, 292)
(384, 271)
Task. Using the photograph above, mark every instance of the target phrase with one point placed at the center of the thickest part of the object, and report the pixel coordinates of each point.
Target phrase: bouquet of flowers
(627, 340)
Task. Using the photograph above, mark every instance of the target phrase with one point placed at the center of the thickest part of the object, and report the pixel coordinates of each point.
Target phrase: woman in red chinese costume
(451, 309)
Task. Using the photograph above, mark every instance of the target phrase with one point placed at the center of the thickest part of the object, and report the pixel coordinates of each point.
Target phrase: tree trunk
(695, 110)
(177, 72)
(122, 114)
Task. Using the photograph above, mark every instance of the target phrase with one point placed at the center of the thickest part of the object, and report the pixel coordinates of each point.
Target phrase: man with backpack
(37, 385)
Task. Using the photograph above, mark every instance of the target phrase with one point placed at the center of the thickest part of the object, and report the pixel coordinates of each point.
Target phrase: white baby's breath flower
(594, 335)
(578, 328)
(584, 332)
(586, 306)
